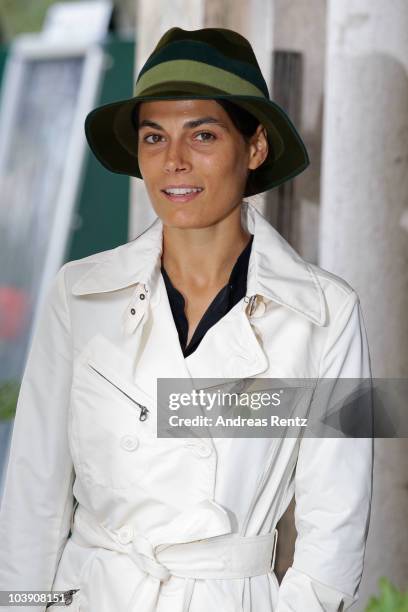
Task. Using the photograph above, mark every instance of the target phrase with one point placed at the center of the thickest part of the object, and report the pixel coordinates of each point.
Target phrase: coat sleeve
(37, 500)
(333, 489)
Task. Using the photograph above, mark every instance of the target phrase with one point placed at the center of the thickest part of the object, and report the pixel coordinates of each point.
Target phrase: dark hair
(244, 122)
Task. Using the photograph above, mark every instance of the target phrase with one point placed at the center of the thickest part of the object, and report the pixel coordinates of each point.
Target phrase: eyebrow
(189, 124)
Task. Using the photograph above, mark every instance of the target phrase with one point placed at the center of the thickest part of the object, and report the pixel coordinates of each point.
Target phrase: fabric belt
(221, 557)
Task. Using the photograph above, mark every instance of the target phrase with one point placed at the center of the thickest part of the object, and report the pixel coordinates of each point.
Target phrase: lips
(181, 193)
(181, 190)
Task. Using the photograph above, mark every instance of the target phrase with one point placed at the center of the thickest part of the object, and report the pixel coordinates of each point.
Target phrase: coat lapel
(230, 349)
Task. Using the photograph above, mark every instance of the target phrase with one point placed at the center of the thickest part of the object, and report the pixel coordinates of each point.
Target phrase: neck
(202, 258)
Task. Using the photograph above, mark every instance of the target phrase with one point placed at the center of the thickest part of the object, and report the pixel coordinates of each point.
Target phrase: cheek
(226, 169)
(147, 168)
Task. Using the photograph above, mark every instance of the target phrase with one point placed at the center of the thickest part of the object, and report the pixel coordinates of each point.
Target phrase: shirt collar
(275, 270)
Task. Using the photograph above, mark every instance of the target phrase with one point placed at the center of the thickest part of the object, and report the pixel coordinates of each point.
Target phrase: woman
(209, 291)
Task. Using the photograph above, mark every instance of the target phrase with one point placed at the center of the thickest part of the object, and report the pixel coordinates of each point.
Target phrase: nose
(177, 158)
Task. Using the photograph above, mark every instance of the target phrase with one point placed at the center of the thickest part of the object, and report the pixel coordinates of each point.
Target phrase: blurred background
(339, 68)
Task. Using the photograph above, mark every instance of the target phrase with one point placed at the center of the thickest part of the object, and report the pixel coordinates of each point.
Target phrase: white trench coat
(182, 525)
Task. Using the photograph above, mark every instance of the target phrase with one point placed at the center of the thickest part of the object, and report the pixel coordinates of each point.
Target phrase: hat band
(196, 72)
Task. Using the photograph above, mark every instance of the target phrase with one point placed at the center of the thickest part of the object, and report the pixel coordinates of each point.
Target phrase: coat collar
(275, 270)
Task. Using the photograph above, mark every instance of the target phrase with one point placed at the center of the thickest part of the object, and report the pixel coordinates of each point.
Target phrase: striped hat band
(192, 71)
(199, 62)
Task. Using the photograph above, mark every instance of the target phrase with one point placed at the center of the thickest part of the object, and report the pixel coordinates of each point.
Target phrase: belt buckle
(275, 541)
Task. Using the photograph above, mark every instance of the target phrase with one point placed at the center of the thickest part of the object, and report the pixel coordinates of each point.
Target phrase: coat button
(203, 451)
(129, 443)
(132, 311)
(259, 309)
(125, 534)
(142, 296)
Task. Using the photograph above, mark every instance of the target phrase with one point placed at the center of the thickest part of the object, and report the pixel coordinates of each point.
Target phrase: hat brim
(112, 136)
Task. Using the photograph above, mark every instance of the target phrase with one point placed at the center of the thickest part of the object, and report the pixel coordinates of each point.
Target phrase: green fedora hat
(210, 63)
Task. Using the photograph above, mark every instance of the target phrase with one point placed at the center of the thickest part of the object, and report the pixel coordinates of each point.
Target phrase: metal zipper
(143, 409)
(68, 597)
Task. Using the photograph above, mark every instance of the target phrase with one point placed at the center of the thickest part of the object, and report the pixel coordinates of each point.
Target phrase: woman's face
(193, 146)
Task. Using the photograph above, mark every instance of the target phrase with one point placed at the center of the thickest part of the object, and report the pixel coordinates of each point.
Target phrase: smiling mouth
(182, 191)
(182, 194)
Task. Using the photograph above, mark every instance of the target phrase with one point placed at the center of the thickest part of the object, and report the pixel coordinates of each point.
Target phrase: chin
(183, 221)
(178, 215)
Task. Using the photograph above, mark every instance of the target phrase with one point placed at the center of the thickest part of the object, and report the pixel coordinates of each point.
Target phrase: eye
(145, 139)
(211, 136)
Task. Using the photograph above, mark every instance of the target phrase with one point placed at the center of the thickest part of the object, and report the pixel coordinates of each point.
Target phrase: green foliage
(9, 391)
(390, 599)
(20, 16)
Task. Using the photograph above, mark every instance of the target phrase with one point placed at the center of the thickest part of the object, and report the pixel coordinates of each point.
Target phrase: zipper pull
(143, 413)
(69, 595)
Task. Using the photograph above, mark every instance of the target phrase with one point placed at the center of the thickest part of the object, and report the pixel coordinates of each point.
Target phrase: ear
(258, 148)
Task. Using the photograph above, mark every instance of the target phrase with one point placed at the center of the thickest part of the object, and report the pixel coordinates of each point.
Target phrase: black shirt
(225, 299)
